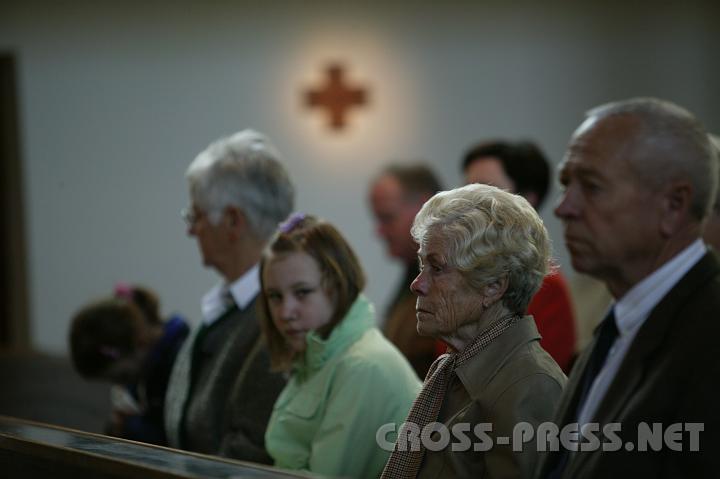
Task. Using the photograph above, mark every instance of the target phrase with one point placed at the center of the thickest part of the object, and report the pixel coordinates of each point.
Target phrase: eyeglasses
(190, 216)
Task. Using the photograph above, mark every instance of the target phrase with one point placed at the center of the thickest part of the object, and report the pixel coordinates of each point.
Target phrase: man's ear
(495, 291)
(675, 207)
(235, 221)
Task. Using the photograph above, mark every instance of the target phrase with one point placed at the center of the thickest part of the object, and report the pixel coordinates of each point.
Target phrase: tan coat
(513, 380)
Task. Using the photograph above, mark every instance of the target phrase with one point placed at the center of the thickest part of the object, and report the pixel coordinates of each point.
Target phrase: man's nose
(568, 205)
(191, 230)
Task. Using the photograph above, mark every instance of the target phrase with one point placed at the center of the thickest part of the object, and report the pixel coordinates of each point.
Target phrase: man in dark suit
(639, 178)
(221, 392)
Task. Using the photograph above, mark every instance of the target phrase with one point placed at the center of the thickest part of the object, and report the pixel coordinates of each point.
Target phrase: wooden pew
(30, 449)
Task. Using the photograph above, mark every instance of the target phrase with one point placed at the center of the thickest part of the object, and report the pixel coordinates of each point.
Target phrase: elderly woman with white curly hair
(483, 254)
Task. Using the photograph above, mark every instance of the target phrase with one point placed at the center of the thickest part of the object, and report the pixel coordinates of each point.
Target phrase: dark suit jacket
(669, 375)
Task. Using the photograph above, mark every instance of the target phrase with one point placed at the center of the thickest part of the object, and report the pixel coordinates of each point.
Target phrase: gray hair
(492, 234)
(243, 170)
(676, 145)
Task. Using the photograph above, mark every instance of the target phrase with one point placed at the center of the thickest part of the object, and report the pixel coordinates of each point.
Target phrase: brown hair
(102, 333)
(522, 161)
(342, 275)
(148, 302)
(106, 331)
(416, 179)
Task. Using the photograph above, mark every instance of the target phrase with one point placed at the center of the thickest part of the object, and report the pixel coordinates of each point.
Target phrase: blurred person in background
(395, 197)
(221, 390)
(123, 340)
(520, 167)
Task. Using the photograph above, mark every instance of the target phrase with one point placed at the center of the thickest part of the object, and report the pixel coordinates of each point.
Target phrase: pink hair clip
(124, 291)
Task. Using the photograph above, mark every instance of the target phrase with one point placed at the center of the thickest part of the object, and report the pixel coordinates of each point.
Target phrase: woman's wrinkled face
(297, 299)
(445, 300)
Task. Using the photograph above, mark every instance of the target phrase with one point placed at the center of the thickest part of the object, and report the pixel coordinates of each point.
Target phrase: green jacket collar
(356, 322)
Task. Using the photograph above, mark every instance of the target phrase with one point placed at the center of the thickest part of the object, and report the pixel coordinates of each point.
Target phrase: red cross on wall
(336, 97)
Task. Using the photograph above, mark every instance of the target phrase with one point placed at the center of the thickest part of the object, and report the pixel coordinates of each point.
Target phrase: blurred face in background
(488, 170)
(213, 239)
(394, 213)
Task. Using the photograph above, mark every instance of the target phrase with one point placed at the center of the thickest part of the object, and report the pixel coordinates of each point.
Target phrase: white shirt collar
(633, 308)
(631, 312)
(243, 291)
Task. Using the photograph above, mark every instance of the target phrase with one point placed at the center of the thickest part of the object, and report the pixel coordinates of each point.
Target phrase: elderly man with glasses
(221, 392)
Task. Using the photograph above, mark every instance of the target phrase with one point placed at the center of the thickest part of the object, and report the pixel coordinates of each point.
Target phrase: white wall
(117, 98)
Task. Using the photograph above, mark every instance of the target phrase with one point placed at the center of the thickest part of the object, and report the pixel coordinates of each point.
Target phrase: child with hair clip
(123, 340)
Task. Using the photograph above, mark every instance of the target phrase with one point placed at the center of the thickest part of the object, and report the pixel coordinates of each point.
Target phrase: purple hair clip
(292, 221)
(109, 352)
(124, 291)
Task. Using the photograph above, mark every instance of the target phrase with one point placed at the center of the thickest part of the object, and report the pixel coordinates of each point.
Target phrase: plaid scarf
(405, 460)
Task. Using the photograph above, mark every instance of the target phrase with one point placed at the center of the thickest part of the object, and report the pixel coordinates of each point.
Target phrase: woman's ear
(493, 292)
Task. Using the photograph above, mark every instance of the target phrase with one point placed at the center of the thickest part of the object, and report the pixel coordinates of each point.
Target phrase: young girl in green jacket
(346, 379)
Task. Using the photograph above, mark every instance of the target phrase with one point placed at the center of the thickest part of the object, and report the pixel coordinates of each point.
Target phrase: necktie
(228, 300)
(606, 338)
